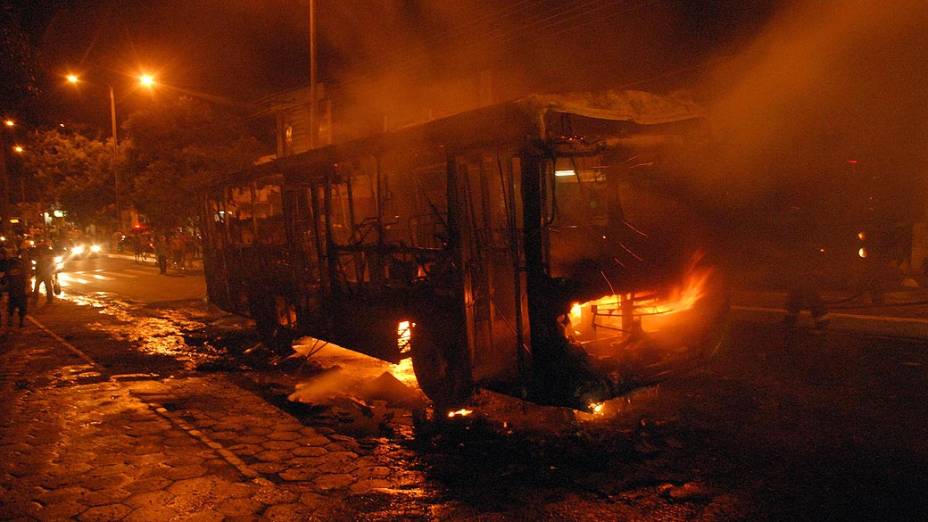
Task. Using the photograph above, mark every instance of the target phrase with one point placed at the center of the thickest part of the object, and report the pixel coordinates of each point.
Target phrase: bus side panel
(303, 256)
(490, 254)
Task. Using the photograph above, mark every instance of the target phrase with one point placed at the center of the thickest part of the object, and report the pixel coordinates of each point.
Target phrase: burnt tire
(440, 361)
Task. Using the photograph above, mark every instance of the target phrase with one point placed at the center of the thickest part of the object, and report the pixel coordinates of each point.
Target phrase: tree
(18, 84)
(74, 171)
(178, 146)
(18, 64)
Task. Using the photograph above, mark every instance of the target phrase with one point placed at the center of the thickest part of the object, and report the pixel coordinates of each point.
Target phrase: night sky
(236, 51)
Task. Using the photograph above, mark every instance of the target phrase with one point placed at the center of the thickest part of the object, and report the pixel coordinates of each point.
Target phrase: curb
(881, 325)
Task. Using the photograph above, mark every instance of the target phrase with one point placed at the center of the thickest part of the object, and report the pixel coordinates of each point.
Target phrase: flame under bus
(518, 247)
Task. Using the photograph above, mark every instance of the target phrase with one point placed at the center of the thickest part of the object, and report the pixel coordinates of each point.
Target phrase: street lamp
(145, 80)
(9, 123)
(18, 149)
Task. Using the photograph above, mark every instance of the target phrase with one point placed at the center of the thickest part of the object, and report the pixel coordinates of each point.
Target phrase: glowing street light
(145, 80)
(9, 123)
(18, 149)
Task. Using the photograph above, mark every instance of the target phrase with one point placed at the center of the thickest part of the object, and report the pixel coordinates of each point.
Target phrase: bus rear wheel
(440, 362)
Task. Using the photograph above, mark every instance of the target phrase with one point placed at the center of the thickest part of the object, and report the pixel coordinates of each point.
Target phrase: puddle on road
(152, 331)
(76, 374)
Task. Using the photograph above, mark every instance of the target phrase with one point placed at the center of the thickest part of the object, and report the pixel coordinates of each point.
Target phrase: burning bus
(523, 248)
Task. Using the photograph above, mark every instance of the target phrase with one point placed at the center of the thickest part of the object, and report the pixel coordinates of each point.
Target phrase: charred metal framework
(444, 229)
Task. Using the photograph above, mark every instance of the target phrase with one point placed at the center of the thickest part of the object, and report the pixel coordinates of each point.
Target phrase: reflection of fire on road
(463, 412)
(344, 372)
(404, 373)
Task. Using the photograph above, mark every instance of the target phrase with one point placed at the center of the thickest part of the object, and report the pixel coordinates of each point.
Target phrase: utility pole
(312, 74)
(115, 157)
(4, 187)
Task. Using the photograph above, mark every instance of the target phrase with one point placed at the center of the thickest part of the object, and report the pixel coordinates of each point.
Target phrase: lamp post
(115, 158)
(313, 131)
(145, 80)
(5, 176)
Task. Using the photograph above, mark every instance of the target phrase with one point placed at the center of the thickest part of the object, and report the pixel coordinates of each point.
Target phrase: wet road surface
(182, 416)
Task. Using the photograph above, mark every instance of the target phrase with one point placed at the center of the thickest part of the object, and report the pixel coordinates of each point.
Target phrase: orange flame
(404, 335)
(647, 310)
(680, 299)
(463, 412)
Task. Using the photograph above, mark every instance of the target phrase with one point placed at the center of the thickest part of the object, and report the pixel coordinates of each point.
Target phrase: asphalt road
(128, 279)
(783, 425)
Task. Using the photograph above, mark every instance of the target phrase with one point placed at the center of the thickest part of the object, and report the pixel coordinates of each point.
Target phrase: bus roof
(508, 122)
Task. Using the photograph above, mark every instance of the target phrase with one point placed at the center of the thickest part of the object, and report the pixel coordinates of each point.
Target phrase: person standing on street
(137, 248)
(44, 273)
(177, 251)
(14, 283)
(162, 249)
(4, 267)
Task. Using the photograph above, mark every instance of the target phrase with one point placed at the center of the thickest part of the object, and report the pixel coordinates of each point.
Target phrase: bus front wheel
(440, 362)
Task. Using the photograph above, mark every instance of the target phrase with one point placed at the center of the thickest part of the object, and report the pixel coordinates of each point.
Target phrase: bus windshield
(583, 211)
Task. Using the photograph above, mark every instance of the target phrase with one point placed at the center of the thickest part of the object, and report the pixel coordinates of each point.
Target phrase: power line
(501, 34)
(460, 29)
(547, 20)
(610, 17)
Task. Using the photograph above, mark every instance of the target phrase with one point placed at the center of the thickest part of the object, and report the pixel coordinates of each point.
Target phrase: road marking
(97, 274)
(121, 276)
(885, 318)
(118, 275)
(139, 272)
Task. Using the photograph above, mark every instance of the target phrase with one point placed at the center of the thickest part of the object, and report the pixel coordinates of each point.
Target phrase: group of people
(177, 249)
(17, 267)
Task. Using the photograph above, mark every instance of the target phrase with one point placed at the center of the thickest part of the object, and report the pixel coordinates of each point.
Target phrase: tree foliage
(74, 171)
(179, 145)
(18, 64)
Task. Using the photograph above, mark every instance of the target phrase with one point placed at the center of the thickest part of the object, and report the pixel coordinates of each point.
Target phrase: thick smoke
(419, 59)
(830, 98)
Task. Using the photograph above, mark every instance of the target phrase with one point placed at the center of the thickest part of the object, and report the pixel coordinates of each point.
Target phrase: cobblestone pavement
(76, 443)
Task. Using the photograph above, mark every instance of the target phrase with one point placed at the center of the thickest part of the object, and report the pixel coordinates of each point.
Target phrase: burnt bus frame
(346, 319)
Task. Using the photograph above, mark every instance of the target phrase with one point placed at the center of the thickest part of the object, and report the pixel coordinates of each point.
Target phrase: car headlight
(95, 249)
(77, 250)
